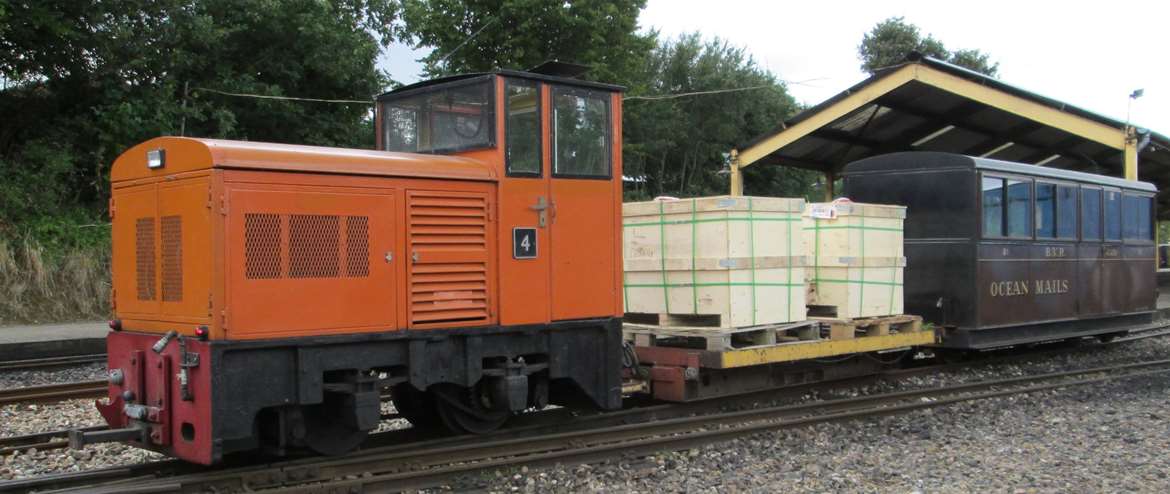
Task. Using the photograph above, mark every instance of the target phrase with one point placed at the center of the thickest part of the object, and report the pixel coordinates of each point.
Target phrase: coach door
(586, 177)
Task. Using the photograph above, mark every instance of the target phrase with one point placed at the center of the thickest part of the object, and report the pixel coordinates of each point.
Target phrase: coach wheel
(469, 410)
(325, 433)
(1106, 338)
(417, 407)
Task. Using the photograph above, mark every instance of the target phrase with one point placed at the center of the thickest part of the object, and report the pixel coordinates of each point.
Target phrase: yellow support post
(736, 175)
(1131, 154)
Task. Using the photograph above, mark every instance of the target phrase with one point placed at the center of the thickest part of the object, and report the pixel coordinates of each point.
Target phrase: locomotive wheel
(325, 433)
(417, 407)
(469, 410)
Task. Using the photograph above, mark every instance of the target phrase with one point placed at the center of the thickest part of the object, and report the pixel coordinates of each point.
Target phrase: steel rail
(635, 440)
(12, 365)
(40, 440)
(635, 415)
(401, 468)
(54, 392)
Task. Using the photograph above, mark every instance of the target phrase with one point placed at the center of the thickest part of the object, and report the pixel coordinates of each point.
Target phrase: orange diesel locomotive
(266, 294)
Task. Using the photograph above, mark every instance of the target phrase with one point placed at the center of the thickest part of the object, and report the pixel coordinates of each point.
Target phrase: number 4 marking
(524, 243)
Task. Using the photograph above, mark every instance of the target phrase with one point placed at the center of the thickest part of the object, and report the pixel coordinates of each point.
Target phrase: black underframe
(583, 356)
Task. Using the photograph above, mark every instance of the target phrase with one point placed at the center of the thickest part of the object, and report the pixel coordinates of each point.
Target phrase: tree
(481, 35)
(88, 79)
(679, 143)
(890, 41)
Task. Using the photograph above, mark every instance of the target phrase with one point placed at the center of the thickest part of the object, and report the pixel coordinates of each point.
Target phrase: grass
(40, 286)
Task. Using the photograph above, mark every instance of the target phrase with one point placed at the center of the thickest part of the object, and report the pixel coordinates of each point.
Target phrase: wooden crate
(738, 258)
(856, 259)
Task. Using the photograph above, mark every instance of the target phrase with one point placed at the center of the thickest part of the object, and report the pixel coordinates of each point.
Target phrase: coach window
(1045, 210)
(581, 133)
(1019, 208)
(1090, 214)
(522, 128)
(1066, 211)
(1112, 221)
(1137, 221)
(992, 207)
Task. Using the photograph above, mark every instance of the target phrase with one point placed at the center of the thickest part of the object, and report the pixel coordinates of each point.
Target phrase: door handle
(541, 208)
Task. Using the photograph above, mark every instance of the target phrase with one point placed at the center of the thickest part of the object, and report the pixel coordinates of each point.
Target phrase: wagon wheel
(417, 407)
(469, 410)
(325, 432)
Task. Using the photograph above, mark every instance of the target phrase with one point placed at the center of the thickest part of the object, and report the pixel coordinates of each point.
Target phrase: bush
(63, 283)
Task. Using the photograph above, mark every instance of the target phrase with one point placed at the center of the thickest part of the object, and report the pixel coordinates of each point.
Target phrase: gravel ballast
(1108, 437)
(1101, 438)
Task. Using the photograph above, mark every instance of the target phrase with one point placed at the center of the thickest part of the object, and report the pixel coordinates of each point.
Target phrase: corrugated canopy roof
(930, 105)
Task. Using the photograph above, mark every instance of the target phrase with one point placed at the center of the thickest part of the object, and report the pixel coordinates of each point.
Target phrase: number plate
(523, 243)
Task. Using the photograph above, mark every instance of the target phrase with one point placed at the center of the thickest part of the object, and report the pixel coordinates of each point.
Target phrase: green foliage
(679, 145)
(87, 79)
(481, 35)
(891, 40)
(673, 146)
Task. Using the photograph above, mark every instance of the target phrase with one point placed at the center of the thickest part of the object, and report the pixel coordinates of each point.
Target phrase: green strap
(893, 279)
(752, 254)
(861, 296)
(817, 226)
(707, 220)
(694, 246)
(858, 282)
(662, 254)
(816, 250)
(788, 292)
(626, 289)
(722, 283)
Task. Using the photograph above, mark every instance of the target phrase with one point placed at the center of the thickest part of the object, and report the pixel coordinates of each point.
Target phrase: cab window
(581, 133)
(447, 118)
(522, 128)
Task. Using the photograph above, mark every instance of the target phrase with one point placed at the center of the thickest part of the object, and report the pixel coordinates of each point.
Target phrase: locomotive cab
(267, 296)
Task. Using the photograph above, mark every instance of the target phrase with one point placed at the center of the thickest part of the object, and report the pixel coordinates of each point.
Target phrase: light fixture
(156, 158)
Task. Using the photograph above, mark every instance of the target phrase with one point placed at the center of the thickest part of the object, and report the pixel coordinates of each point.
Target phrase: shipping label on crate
(823, 211)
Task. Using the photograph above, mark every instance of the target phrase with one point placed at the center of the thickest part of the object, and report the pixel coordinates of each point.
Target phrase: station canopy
(926, 104)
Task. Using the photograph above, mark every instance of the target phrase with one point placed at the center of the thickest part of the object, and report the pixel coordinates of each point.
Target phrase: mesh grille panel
(144, 257)
(314, 246)
(357, 246)
(262, 239)
(172, 258)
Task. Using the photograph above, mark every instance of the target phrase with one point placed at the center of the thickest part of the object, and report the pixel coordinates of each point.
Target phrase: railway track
(51, 362)
(55, 439)
(593, 438)
(54, 392)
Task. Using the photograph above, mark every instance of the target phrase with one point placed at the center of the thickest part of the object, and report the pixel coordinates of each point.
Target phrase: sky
(1087, 54)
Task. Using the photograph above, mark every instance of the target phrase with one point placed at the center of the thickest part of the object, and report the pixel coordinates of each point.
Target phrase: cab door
(585, 193)
(524, 206)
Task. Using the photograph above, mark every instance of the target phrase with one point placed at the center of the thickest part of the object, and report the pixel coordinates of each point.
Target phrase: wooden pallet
(841, 329)
(720, 339)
